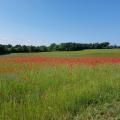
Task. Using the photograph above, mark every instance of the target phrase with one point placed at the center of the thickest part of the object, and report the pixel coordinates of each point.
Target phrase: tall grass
(56, 92)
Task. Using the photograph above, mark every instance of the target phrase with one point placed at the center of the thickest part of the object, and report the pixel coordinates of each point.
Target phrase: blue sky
(41, 22)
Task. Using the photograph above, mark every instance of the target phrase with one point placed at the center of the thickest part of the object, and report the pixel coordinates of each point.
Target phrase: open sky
(41, 22)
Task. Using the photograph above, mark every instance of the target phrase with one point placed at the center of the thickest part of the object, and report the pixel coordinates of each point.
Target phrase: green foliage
(54, 47)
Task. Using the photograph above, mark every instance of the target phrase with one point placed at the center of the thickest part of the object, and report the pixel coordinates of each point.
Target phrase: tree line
(4, 49)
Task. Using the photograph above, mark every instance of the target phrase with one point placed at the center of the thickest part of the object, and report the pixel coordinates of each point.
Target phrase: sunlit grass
(34, 91)
(82, 53)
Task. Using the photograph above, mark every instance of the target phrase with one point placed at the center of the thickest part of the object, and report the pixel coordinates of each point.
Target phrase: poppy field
(82, 85)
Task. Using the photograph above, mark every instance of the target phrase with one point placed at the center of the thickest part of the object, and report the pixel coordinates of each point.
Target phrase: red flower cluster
(83, 60)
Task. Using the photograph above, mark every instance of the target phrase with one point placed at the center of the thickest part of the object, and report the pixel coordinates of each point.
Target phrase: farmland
(81, 85)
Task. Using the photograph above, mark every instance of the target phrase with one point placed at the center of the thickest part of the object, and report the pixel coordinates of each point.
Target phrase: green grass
(62, 92)
(82, 53)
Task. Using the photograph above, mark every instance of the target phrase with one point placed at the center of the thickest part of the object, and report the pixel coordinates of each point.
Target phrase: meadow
(81, 85)
(82, 53)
